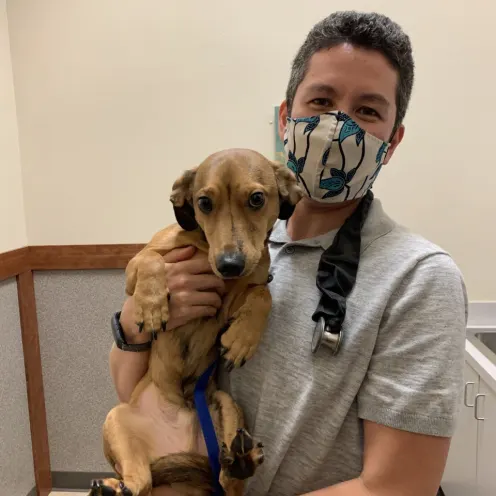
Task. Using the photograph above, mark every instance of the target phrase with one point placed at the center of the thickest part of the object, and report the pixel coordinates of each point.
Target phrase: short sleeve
(415, 376)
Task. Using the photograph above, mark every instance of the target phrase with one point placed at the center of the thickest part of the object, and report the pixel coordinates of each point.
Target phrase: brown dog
(226, 207)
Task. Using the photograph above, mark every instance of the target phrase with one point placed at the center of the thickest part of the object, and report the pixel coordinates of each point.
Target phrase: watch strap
(120, 339)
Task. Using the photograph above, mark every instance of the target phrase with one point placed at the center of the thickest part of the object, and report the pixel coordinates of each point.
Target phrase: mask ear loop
(336, 277)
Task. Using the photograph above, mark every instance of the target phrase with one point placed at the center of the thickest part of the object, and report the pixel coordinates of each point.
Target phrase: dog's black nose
(231, 264)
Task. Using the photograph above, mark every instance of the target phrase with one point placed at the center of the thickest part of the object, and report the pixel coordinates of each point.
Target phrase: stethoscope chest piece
(322, 335)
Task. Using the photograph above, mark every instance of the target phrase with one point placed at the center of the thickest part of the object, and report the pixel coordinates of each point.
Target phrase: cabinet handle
(476, 409)
(465, 394)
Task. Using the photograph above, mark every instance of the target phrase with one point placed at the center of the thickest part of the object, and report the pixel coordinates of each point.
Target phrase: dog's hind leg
(129, 450)
(239, 456)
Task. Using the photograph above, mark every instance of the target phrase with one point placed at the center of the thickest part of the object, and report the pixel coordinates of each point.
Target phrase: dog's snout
(231, 264)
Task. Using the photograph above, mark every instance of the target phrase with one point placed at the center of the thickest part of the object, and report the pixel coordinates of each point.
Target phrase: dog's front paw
(238, 345)
(151, 307)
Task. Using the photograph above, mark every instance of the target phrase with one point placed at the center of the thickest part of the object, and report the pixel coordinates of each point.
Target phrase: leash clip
(322, 335)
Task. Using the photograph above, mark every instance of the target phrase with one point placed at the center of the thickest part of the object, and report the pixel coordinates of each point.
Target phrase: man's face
(359, 82)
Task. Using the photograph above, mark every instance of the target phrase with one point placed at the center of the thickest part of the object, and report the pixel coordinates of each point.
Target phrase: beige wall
(116, 98)
(12, 223)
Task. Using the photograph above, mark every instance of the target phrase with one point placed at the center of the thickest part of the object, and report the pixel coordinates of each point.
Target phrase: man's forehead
(346, 67)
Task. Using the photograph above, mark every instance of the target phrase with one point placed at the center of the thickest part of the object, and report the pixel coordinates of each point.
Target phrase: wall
(12, 223)
(74, 310)
(16, 461)
(116, 98)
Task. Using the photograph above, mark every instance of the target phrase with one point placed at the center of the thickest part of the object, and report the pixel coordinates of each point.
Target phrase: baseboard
(76, 480)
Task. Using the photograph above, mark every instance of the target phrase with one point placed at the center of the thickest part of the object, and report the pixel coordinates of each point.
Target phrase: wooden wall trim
(34, 382)
(78, 257)
(13, 262)
(66, 257)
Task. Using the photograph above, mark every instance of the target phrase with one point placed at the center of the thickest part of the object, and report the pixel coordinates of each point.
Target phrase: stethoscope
(323, 336)
(336, 278)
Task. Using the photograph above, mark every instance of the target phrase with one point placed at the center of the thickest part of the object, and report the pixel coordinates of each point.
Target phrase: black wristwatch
(120, 340)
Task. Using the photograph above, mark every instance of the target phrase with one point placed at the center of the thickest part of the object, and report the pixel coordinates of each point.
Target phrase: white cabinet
(460, 476)
(471, 466)
(486, 441)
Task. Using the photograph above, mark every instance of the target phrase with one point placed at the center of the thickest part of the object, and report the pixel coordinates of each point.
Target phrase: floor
(57, 493)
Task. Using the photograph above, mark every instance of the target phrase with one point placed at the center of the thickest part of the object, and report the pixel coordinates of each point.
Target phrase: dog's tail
(182, 468)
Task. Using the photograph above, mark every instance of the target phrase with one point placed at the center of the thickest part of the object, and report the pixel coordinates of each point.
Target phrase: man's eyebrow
(375, 98)
(321, 88)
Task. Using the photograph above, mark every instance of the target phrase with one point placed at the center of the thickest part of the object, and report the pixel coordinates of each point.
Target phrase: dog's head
(235, 197)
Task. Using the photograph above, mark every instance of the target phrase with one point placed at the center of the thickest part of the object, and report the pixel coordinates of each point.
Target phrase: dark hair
(365, 30)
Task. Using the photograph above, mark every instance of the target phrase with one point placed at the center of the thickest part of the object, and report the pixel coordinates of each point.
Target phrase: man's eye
(321, 102)
(368, 112)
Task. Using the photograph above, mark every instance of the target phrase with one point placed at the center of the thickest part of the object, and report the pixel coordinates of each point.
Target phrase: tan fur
(180, 356)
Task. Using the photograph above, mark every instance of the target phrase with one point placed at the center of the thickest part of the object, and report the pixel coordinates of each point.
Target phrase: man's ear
(395, 141)
(289, 191)
(181, 198)
(282, 119)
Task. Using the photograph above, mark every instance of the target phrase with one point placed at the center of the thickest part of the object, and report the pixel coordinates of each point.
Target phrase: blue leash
(207, 427)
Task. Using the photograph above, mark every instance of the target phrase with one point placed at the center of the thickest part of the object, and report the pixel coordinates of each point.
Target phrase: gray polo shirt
(400, 363)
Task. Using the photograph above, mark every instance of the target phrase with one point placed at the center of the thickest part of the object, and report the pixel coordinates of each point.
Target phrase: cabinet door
(460, 475)
(486, 454)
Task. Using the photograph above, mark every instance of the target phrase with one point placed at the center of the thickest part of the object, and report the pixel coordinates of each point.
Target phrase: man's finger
(179, 254)
(195, 266)
(202, 311)
(203, 298)
(205, 282)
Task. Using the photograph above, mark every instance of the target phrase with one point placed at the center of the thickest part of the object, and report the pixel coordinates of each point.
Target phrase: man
(375, 419)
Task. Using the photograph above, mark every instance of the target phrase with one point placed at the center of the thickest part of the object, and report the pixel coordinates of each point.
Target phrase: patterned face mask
(333, 158)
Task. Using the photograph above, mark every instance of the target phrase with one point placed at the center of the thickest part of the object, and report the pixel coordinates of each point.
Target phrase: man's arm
(396, 463)
(128, 368)
(410, 395)
(194, 293)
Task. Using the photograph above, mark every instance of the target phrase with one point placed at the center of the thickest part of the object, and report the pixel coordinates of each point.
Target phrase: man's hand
(194, 291)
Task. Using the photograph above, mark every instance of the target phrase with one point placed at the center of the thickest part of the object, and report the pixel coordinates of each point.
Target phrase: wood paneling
(73, 257)
(20, 263)
(13, 262)
(34, 382)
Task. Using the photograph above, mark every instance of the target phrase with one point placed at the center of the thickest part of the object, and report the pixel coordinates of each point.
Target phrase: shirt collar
(377, 224)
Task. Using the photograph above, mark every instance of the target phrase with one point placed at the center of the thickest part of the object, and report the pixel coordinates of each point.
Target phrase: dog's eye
(205, 204)
(256, 200)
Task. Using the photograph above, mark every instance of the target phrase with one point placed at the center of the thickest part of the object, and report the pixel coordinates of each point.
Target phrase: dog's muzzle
(231, 264)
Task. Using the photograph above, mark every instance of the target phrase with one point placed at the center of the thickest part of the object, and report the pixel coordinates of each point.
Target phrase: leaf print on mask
(373, 177)
(351, 174)
(292, 162)
(380, 154)
(297, 166)
(335, 184)
(325, 157)
(349, 129)
(359, 136)
(341, 116)
(312, 124)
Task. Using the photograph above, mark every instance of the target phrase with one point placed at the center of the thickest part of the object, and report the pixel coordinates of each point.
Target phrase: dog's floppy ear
(289, 191)
(181, 198)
